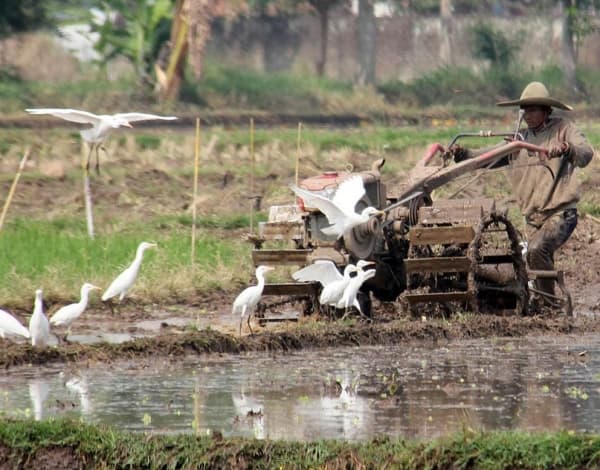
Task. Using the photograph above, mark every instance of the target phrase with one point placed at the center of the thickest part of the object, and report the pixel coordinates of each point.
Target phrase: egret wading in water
(124, 281)
(246, 302)
(65, 316)
(327, 274)
(39, 327)
(102, 125)
(340, 210)
(10, 326)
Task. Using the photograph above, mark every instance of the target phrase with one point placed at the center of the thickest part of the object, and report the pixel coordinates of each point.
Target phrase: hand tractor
(442, 254)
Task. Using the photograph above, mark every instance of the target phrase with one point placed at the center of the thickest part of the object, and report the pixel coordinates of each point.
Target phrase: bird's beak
(380, 213)
(96, 288)
(270, 268)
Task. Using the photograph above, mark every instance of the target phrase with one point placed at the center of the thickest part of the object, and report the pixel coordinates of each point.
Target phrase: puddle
(533, 384)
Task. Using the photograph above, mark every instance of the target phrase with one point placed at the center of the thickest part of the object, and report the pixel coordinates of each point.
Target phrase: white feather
(9, 325)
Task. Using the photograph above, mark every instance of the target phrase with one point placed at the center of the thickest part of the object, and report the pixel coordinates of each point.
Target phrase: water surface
(413, 391)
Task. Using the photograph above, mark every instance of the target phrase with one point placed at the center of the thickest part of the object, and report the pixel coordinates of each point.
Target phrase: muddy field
(140, 329)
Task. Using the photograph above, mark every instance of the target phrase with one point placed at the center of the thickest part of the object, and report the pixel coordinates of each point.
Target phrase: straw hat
(535, 94)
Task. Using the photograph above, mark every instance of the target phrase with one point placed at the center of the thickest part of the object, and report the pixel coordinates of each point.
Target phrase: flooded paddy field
(408, 391)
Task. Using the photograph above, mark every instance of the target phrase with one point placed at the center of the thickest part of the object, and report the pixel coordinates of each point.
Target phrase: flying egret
(123, 282)
(102, 124)
(39, 327)
(340, 210)
(246, 302)
(349, 298)
(66, 315)
(326, 272)
(9, 325)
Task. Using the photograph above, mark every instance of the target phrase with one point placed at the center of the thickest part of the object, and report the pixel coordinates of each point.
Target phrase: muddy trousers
(545, 240)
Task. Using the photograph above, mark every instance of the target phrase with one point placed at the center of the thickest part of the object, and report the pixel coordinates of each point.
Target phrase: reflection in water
(346, 393)
(38, 393)
(80, 387)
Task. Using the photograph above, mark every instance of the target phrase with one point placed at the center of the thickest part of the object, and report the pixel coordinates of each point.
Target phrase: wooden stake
(195, 195)
(298, 152)
(252, 195)
(11, 192)
(87, 196)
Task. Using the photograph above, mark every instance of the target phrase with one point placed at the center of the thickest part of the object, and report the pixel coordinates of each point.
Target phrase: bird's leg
(98, 158)
(112, 308)
(89, 156)
(249, 327)
(241, 320)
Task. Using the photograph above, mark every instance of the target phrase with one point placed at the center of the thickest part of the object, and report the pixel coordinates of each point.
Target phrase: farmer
(548, 200)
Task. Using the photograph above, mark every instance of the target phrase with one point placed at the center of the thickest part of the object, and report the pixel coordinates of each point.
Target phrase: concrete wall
(407, 46)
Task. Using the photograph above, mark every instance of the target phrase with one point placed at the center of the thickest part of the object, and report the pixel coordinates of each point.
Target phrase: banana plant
(136, 30)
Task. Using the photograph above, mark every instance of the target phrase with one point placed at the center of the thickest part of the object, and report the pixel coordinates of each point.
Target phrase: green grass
(58, 256)
(105, 447)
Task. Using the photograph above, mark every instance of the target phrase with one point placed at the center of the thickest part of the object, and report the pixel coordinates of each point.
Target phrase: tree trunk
(446, 26)
(567, 49)
(324, 21)
(367, 42)
(198, 14)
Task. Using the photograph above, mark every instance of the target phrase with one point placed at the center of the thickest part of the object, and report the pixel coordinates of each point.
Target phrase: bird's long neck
(261, 280)
(38, 307)
(84, 297)
(139, 255)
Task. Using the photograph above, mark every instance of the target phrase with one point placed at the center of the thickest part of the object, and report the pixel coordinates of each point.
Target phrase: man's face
(534, 116)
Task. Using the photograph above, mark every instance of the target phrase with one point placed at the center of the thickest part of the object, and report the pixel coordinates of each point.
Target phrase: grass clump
(81, 444)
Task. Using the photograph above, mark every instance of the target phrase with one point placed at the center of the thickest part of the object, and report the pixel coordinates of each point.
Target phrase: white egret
(9, 325)
(124, 281)
(39, 327)
(326, 272)
(102, 124)
(340, 210)
(66, 315)
(246, 302)
(349, 298)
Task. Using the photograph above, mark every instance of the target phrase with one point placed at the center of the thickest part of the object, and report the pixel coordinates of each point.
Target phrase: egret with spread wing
(65, 316)
(102, 124)
(9, 325)
(39, 327)
(246, 302)
(327, 273)
(124, 281)
(340, 210)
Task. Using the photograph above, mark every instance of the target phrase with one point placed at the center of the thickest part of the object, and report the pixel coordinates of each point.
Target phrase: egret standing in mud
(39, 327)
(349, 298)
(124, 281)
(340, 210)
(65, 316)
(102, 124)
(9, 325)
(246, 302)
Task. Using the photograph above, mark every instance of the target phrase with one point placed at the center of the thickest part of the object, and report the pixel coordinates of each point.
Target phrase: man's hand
(558, 149)
(458, 153)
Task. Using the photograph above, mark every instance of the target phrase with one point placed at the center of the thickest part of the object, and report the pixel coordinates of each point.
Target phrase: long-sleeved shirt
(537, 195)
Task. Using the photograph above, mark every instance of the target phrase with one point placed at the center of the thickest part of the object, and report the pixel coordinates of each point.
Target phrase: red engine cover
(326, 184)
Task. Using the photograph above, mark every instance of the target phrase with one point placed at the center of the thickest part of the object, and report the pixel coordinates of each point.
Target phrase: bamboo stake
(11, 192)
(298, 152)
(252, 160)
(87, 196)
(195, 195)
